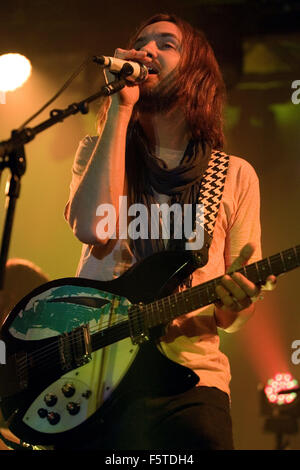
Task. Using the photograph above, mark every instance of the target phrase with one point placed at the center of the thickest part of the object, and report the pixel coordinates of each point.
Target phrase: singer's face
(162, 42)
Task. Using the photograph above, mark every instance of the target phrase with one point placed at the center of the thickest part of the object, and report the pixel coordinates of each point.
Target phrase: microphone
(133, 71)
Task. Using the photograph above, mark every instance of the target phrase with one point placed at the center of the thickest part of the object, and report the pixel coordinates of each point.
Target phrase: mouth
(152, 70)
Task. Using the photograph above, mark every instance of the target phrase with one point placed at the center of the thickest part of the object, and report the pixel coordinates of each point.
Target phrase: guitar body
(51, 388)
(76, 348)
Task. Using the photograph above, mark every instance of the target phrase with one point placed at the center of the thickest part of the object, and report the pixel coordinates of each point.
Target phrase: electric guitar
(72, 343)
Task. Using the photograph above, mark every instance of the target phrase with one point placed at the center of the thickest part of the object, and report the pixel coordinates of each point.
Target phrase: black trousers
(198, 419)
(160, 408)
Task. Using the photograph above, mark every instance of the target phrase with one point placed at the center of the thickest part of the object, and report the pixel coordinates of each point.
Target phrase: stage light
(15, 69)
(280, 382)
(280, 405)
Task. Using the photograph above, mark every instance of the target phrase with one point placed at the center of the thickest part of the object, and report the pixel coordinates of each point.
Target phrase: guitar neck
(162, 311)
(168, 308)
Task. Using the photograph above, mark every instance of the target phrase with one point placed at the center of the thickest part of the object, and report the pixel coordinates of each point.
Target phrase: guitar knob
(50, 399)
(42, 412)
(68, 390)
(53, 418)
(86, 394)
(73, 408)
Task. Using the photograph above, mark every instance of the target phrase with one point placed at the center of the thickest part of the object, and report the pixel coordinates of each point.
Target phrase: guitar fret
(181, 303)
(170, 304)
(148, 315)
(290, 259)
(166, 312)
(264, 269)
(251, 272)
(167, 307)
(177, 299)
(174, 307)
(160, 311)
(211, 292)
(193, 302)
(277, 264)
(152, 315)
(186, 302)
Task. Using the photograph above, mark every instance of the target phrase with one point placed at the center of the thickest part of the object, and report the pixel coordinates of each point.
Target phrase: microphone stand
(12, 156)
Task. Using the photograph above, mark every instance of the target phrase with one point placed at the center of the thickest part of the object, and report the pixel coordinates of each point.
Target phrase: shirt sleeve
(244, 226)
(82, 157)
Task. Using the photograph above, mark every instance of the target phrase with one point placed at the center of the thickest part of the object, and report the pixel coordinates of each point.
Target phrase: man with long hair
(154, 145)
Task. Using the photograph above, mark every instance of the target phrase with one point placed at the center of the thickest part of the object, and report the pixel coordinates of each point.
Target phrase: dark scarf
(146, 172)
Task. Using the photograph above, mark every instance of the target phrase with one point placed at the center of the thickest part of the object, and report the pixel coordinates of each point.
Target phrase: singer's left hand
(237, 293)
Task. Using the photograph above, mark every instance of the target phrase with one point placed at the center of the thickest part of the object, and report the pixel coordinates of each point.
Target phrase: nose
(151, 49)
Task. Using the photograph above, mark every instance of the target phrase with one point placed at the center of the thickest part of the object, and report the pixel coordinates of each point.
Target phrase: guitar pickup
(75, 348)
(138, 333)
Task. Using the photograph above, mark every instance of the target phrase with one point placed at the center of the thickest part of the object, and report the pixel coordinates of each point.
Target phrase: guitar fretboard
(164, 310)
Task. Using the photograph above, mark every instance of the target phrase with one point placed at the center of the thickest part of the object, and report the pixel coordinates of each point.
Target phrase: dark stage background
(258, 46)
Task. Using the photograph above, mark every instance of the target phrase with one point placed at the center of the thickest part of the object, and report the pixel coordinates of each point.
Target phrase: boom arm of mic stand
(12, 156)
(17, 166)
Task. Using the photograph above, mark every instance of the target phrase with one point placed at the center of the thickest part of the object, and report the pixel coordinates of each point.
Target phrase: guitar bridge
(138, 333)
(75, 348)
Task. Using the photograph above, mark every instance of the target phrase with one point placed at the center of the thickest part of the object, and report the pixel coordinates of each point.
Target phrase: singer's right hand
(130, 94)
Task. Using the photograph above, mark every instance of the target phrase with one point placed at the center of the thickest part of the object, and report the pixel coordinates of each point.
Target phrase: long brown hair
(199, 80)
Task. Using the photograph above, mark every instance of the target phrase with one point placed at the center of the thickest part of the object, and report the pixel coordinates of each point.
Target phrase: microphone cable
(59, 92)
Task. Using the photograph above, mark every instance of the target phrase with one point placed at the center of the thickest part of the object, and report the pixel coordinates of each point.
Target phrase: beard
(160, 97)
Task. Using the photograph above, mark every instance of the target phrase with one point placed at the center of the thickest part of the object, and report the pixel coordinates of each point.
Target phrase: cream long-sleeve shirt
(192, 339)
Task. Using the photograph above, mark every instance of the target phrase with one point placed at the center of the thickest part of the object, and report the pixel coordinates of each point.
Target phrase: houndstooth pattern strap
(211, 189)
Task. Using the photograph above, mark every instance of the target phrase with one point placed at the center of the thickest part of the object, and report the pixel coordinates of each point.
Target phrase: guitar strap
(211, 190)
(209, 199)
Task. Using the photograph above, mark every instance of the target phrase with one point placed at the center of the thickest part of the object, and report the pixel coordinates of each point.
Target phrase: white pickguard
(94, 382)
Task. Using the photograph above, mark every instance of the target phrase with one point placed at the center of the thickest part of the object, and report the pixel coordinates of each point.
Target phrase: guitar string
(39, 354)
(102, 326)
(54, 347)
(96, 327)
(134, 314)
(71, 341)
(194, 291)
(44, 357)
(160, 304)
